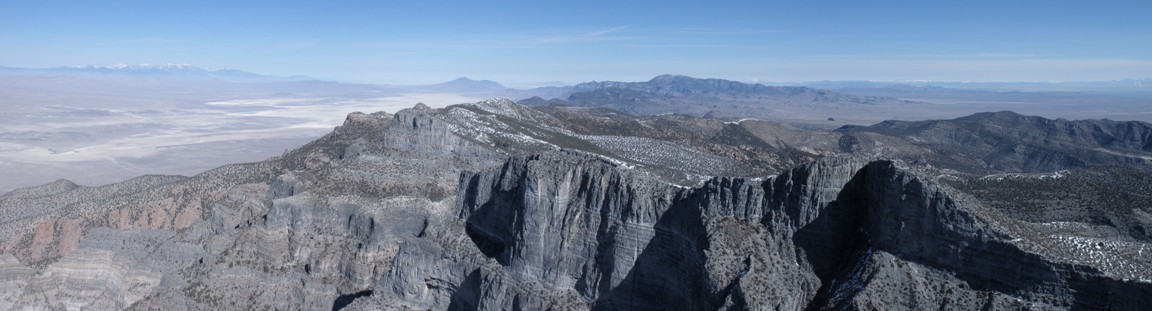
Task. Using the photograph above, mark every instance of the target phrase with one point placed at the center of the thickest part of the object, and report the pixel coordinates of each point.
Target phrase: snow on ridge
(1053, 175)
(741, 121)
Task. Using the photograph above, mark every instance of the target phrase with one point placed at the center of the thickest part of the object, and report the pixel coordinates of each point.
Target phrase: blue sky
(519, 42)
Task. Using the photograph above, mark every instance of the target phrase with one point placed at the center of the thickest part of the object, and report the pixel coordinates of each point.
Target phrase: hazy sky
(573, 41)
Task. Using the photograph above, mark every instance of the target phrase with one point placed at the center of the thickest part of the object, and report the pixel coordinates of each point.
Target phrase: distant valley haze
(100, 124)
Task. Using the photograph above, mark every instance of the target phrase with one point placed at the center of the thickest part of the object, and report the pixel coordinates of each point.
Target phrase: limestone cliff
(834, 234)
(496, 206)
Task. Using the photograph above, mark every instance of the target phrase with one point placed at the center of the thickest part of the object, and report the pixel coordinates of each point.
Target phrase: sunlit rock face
(832, 234)
(494, 205)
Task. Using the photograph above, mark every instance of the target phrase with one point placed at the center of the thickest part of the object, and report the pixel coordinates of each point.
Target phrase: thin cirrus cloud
(724, 32)
(767, 54)
(618, 37)
(153, 41)
(599, 35)
(451, 43)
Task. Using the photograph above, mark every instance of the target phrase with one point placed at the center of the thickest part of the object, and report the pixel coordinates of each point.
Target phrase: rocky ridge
(1009, 142)
(495, 205)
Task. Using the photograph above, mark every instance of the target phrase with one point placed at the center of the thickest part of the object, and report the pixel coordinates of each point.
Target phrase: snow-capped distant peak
(122, 66)
(152, 67)
(172, 70)
(166, 70)
(161, 69)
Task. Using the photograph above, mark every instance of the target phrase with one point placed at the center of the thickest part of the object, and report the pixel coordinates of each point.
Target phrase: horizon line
(122, 66)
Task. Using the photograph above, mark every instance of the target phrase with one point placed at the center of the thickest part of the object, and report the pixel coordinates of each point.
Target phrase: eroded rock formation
(498, 206)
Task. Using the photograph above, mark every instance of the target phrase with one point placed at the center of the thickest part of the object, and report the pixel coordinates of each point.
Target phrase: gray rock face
(578, 225)
(13, 278)
(498, 206)
(89, 278)
(833, 234)
(916, 222)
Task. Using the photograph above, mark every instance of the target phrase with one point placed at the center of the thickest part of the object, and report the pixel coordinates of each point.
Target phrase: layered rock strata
(498, 206)
(834, 234)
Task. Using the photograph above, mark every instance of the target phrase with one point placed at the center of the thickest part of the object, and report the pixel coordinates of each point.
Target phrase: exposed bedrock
(837, 233)
(916, 222)
(378, 215)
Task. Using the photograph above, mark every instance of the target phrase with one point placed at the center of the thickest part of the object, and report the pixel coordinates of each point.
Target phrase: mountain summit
(499, 206)
(466, 85)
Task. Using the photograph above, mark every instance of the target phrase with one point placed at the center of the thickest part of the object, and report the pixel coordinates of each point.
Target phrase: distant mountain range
(1112, 86)
(155, 70)
(1006, 141)
(679, 81)
(185, 72)
(464, 85)
(838, 102)
(716, 98)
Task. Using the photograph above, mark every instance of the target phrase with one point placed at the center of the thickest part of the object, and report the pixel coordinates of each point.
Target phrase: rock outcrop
(494, 205)
(833, 234)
